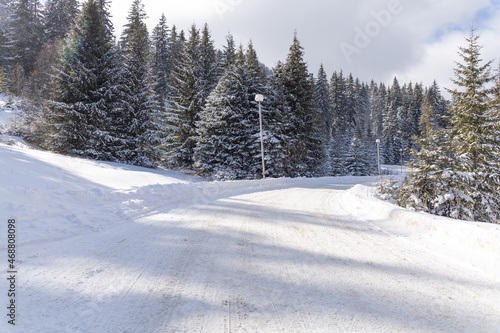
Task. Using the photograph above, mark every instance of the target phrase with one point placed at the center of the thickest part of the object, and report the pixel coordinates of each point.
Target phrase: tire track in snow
(193, 253)
(283, 239)
(211, 277)
(178, 270)
(130, 247)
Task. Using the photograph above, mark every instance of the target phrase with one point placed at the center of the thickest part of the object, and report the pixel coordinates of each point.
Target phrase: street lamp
(401, 159)
(259, 98)
(378, 156)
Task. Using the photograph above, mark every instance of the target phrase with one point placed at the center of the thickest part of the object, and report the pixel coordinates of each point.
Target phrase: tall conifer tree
(162, 61)
(208, 64)
(229, 53)
(298, 135)
(229, 142)
(194, 76)
(476, 167)
(59, 16)
(425, 187)
(339, 148)
(322, 101)
(138, 113)
(25, 34)
(85, 97)
(323, 105)
(5, 17)
(185, 104)
(457, 169)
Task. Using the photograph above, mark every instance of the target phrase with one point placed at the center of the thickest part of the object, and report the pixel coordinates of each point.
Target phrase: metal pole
(262, 144)
(378, 157)
(401, 151)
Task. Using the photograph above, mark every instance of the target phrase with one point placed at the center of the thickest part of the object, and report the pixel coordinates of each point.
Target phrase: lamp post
(378, 156)
(259, 98)
(401, 159)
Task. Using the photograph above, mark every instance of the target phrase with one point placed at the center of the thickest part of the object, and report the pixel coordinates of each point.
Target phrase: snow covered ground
(105, 247)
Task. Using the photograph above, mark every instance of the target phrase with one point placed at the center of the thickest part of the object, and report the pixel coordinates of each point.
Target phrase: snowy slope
(105, 247)
(60, 196)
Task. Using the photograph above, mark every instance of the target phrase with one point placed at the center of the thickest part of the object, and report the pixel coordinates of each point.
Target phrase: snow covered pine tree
(85, 96)
(138, 112)
(457, 169)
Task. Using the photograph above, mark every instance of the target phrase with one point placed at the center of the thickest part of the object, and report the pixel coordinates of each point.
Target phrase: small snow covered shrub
(388, 189)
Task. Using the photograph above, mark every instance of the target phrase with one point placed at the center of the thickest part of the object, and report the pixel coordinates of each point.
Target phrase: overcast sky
(415, 40)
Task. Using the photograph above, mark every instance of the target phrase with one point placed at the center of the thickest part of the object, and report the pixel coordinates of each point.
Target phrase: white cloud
(440, 56)
(437, 63)
(419, 43)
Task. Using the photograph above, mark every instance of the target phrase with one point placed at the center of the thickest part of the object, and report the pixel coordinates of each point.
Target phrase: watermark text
(11, 271)
(222, 7)
(372, 29)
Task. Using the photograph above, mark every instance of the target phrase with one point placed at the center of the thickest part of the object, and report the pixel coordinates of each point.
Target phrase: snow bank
(473, 239)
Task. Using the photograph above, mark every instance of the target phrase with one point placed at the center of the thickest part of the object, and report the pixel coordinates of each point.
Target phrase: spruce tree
(58, 18)
(404, 119)
(493, 115)
(361, 107)
(299, 135)
(279, 166)
(476, 166)
(138, 112)
(5, 16)
(425, 187)
(415, 112)
(229, 53)
(37, 92)
(208, 65)
(493, 130)
(393, 117)
(228, 131)
(456, 169)
(25, 34)
(194, 77)
(358, 163)
(362, 146)
(322, 99)
(299, 88)
(177, 41)
(162, 61)
(439, 105)
(349, 109)
(185, 103)
(377, 106)
(389, 116)
(339, 147)
(258, 84)
(86, 88)
(323, 105)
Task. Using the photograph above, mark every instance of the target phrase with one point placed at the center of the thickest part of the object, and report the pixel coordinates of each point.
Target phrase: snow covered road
(287, 260)
(104, 247)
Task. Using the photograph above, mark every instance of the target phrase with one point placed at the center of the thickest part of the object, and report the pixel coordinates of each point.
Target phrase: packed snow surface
(104, 247)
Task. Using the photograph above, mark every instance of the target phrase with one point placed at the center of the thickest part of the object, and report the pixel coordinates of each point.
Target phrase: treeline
(171, 98)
